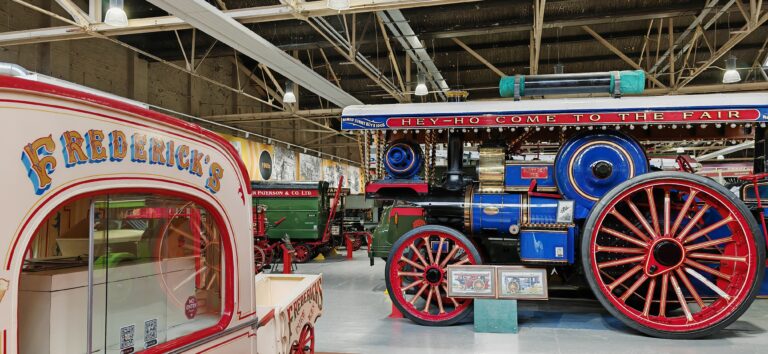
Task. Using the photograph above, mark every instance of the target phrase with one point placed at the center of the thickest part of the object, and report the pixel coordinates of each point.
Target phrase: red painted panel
(534, 172)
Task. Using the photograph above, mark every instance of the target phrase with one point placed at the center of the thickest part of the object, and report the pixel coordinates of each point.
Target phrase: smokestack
(454, 178)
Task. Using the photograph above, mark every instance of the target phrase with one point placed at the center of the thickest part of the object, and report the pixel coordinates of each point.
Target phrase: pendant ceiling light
(421, 87)
(116, 15)
(731, 74)
(289, 96)
(338, 4)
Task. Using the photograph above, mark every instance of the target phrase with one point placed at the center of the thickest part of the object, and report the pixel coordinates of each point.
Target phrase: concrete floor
(356, 307)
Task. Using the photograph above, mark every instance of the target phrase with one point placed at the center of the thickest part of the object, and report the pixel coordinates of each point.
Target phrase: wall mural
(284, 164)
(309, 167)
(266, 162)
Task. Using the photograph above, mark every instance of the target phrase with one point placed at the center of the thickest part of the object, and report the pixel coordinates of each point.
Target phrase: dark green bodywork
(391, 227)
(305, 217)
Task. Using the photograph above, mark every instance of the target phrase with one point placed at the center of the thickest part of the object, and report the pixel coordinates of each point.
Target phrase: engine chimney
(454, 177)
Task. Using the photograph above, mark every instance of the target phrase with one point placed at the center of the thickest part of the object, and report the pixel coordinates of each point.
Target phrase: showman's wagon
(670, 253)
(127, 230)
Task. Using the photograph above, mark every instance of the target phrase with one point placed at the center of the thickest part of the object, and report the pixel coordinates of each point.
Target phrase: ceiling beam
(573, 21)
(620, 54)
(75, 11)
(259, 14)
(745, 31)
(538, 24)
(212, 21)
(308, 113)
(479, 57)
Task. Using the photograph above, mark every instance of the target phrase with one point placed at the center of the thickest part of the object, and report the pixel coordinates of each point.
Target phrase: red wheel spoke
(689, 286)
(418, 254)
(439, 250)
(428, 246)
(412, 285)
(683, 212)
(410, 274)
(624, 277)
(640, 217)
(412, 263)
(708, 283)
(439, 298)
(463, 261)
(652, 207)
(619, 262)
(708, 229)
(455, 303)
(709, 270)
(418, 294)
(630, 226)
(649, 297)
(711, 243)
(695, 219)
(663, 299)
(429, 299)
(624, 237)
(717, 257)
(449, 256)
(634, 287)
(629, 250)
(680, 298)
(667, 211)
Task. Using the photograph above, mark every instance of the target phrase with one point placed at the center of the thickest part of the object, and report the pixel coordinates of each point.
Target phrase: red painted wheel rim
(658, 285)
(425, 296)
(306, 341)
(259, 258)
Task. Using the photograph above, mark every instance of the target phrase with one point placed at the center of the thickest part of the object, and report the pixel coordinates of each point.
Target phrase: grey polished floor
(356, 308)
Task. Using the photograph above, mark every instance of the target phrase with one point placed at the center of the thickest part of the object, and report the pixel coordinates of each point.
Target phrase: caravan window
(157, 275)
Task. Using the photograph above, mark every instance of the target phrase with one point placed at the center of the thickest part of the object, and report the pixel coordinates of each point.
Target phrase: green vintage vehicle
(395, 220)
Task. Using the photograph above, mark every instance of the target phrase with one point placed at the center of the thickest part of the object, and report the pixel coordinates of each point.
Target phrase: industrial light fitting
(338, 5)
(116, 16)
(680, 150)
(720, 157)
(289, 96)
(421, 87)
(559, 68)
(731, 74)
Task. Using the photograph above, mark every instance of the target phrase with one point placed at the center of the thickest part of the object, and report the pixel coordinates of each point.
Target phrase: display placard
(472, 281)
(522, 283)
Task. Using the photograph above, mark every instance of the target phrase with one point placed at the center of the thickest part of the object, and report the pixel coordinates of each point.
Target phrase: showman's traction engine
(672, 254)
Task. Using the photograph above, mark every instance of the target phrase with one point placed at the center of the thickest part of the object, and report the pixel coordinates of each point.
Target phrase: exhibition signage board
(693, 109)
(499, 282)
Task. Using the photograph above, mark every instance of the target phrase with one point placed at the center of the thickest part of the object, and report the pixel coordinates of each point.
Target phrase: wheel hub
(668, 253)
(602, 169)
(665, 255)
(433, 275)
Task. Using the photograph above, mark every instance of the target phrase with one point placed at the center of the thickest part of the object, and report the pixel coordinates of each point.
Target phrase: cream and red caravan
(125, 230)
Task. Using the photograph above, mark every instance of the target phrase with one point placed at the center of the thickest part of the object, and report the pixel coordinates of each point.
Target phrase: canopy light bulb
(116, 16)
(421, 88)
(338, 5)
(731, 74)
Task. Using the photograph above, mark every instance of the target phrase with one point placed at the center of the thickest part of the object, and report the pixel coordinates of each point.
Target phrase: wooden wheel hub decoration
(672, 255)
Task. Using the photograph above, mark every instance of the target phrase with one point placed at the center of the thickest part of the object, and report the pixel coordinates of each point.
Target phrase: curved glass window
(121, 272)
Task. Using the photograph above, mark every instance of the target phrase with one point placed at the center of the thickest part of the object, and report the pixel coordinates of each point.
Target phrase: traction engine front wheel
(673, 255)
(416, 274)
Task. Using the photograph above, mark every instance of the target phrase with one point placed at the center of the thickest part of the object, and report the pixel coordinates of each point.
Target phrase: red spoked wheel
(673, 255)
(306, 341)
(416, 274)
(302, 253)
(357, 242)
(261, 258)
